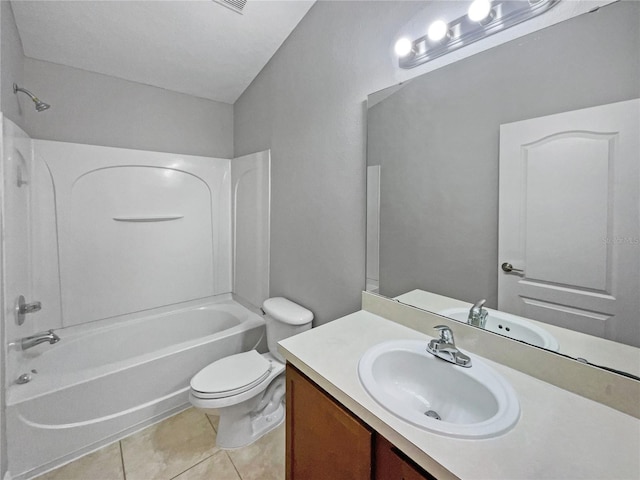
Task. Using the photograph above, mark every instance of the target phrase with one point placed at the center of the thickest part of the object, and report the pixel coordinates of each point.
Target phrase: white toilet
(247, 389)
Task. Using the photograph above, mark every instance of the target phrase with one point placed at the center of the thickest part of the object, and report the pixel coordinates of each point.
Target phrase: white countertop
(560, 435)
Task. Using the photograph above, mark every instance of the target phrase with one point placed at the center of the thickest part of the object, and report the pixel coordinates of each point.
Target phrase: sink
(509, 325)
(436, 395)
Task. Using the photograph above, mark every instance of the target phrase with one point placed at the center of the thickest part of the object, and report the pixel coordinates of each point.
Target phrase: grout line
(211, 423)
(124, 471)
(195, 464)
(232, 463)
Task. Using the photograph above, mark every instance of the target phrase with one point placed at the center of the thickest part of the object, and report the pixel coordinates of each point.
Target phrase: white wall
(98, 109)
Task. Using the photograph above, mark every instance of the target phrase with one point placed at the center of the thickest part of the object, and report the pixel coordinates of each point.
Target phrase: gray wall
(98, 109)
(11, 65)
(437, 140)
(308, 106)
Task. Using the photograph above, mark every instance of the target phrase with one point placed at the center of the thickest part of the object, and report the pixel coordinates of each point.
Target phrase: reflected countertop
(595, 350)
(559, 434)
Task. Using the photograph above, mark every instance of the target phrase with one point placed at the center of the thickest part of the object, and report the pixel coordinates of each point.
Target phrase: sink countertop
(559, 434)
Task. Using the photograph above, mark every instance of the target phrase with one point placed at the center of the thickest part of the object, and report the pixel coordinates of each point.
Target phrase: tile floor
(182, 447)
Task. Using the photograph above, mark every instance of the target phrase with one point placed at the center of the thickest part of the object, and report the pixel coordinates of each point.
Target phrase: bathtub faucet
(38, 338)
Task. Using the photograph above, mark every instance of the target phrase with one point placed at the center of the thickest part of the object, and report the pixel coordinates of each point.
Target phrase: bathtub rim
(16, 394)
(112, 322)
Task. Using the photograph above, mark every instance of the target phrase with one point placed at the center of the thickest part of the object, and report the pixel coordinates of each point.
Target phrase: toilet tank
(284, 319)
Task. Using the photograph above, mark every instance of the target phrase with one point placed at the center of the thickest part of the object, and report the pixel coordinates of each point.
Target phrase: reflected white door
(570, 220)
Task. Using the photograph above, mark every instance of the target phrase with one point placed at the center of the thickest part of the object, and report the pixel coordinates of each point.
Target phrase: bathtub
(100, 384)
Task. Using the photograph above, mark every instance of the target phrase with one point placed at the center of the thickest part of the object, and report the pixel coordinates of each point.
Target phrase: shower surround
(149, 266)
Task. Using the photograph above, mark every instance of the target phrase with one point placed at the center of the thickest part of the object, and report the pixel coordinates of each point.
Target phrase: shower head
(40, 105)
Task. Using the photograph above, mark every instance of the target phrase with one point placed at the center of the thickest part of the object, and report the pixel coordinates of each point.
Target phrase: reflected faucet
(38, 338)
(478, 315)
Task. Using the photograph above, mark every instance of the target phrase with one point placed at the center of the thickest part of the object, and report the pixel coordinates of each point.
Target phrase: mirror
(434, 184)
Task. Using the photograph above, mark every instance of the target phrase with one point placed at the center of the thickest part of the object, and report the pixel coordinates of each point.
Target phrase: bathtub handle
(23, 308)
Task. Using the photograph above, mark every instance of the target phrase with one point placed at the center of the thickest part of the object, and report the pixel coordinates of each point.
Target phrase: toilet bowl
(247, 389)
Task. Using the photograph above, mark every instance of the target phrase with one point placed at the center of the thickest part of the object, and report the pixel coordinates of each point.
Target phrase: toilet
(247, 389)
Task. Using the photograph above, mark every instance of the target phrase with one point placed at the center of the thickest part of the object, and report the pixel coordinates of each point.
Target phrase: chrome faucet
(38, 338)
(478, 315)
(445, 348)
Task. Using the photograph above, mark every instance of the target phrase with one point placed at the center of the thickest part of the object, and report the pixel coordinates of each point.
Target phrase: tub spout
(38, 338)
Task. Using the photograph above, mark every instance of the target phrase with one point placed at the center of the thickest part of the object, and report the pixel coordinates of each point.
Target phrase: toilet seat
(231, 375)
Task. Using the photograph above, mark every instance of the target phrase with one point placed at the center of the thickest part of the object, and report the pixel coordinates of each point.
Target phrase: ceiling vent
(235, 5)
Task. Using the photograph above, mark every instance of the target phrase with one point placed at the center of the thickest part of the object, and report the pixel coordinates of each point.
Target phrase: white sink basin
(408, 381)
(509, 325)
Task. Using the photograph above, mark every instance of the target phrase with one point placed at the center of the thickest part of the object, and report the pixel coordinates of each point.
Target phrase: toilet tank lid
(286, 311)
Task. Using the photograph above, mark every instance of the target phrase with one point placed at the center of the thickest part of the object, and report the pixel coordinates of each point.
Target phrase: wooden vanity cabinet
(392, 464)
(324, 441)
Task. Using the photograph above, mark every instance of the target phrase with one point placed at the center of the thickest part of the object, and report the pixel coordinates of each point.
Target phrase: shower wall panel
(251, 186)
(137, 230)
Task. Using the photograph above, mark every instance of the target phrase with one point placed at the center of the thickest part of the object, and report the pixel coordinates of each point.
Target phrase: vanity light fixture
(484, 18)
(403, 47)
(480, 10)
(438, 30)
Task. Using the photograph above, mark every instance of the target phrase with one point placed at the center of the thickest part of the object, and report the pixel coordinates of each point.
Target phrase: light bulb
(403, 47)
(437, 31)
(479, 10)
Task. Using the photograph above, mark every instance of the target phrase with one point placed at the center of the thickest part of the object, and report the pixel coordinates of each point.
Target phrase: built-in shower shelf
(148, 218)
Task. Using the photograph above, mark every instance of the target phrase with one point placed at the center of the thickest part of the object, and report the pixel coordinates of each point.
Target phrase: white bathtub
(98, 385)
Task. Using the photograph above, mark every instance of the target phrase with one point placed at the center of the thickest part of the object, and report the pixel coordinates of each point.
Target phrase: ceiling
(196, 47)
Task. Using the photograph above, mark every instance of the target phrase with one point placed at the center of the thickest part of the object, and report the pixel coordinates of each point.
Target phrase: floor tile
(104, 464)
(262, 460)
(216, 467)
(169, 448)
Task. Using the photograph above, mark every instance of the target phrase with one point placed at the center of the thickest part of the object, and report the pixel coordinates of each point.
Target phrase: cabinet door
(392, 464)
(324, 441)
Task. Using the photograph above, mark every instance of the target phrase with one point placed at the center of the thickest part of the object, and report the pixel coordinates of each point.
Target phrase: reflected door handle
(507, 267)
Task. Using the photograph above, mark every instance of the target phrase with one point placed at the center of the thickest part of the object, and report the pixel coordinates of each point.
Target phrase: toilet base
(245, 422)
(235, 433)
